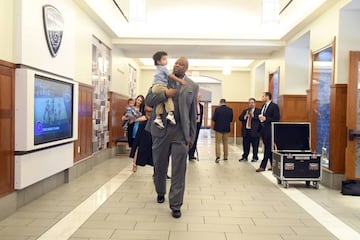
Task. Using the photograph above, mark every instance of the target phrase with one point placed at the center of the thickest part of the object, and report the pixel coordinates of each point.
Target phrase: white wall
(7, 30)
(348, 40)
(297, 61)
(85, 29)
(276, 62)
(235, 87)
(258, 78)
(30, 40)
(322, 32)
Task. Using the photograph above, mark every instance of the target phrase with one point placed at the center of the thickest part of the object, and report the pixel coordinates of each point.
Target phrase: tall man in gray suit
(174, 140)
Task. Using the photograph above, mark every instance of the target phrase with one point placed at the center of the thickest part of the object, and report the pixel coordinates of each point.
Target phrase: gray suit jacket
(185, 110)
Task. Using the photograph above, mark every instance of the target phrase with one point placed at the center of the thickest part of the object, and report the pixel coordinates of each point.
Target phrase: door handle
(353, 134)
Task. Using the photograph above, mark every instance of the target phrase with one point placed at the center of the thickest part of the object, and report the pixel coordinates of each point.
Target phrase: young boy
(129, 113)
(160, 85)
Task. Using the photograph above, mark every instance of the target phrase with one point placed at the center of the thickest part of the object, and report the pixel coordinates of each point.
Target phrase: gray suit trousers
(174, 144)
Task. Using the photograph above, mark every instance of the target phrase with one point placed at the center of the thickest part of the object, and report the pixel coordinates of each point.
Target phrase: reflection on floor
(224, 201)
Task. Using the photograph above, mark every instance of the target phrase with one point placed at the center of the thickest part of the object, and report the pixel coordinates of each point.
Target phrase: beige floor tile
(123, 224)
(292, 237)
(138, 217)
(156, 226)
(239, 213)
(278, 222)
(43, 223)
(184, 219)
(229, 220)
(140, 235)
(200, 212)
(22, 231)
(93, 233)
(209, 206)
(252, 236)
(311, 231)
(35, 215)
(226, 201)
(196, 236)
(16, 222)
(99, 216)
(12, 237)
(267, 229)
(214, 228)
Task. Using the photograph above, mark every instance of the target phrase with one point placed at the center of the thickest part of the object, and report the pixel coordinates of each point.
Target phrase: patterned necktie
(248, 121)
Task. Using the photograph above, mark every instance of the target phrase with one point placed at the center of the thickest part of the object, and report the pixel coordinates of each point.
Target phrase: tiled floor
(224, 201)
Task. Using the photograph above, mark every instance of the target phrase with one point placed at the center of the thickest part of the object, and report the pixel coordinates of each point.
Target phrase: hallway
(224, 201)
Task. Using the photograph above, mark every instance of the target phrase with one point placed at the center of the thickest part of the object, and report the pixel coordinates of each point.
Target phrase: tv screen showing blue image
(53, 110)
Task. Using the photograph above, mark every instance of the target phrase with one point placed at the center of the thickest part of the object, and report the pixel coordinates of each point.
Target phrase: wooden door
(83, 145)
(7, 80)
(274, 85)
(352, 161)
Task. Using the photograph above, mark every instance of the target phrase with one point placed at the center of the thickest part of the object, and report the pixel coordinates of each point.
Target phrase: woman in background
(141, 151)
(133, 125)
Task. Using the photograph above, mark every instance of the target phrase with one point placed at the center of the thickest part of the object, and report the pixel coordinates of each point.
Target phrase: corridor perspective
(224, 201)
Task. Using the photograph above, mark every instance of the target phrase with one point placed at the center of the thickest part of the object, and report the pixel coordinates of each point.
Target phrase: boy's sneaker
(170, 117)
(158, 122)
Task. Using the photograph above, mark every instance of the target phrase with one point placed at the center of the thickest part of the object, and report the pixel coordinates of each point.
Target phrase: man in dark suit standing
(250, 130)
(199, 119)
(222, 118)
(269, 113)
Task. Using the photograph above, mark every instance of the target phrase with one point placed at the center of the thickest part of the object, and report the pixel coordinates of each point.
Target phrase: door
(352, 163)
(274, 85)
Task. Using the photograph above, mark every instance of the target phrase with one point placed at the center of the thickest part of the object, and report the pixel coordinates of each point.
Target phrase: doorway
(352, 152)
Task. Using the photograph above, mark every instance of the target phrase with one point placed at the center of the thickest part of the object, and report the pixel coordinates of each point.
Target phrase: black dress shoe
(176, 213)
(242, 159)
(217, 160)
(254, 160)
(168, 177)
(160, 198)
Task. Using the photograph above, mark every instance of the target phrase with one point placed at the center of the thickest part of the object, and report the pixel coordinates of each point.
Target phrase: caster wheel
(316, 185)
(278, 181)
(286, 184)
(307, 183)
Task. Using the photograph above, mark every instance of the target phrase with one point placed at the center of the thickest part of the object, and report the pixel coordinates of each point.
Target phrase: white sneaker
(170, 117)
(158, 122)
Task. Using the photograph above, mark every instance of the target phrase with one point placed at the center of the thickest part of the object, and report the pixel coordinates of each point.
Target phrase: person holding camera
(250, 130)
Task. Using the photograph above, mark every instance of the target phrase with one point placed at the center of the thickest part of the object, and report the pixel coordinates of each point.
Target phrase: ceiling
(202, 29)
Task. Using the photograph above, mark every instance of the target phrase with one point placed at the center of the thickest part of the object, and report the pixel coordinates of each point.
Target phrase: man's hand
(190, 144)
(170, 92)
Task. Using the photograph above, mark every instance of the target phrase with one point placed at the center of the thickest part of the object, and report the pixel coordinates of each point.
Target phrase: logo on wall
(54, 27)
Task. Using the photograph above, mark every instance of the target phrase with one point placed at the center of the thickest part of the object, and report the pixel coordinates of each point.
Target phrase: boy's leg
(159, 109)
(169, 105)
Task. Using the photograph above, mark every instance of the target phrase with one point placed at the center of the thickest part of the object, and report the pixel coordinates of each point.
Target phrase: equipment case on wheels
(292, 157)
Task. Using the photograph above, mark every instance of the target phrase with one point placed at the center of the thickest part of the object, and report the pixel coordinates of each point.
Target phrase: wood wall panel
(7, 81)
(237, 108)
(308, 105)
(118, 103)
(337, 134)
(83, 145)
(293, 108)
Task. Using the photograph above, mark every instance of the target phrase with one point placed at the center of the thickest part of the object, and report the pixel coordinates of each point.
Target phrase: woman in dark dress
(141, 150)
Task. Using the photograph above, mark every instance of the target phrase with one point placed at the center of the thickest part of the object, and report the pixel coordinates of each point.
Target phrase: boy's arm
(153, 99)
(175, 78)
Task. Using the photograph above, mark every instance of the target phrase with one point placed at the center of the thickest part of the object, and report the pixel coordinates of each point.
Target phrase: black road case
(292, 157)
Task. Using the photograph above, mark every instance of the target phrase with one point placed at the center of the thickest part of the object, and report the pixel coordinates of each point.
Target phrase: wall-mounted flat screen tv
(53, 110)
